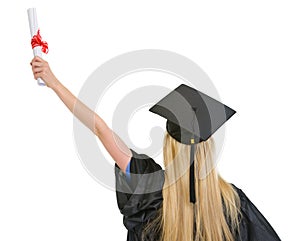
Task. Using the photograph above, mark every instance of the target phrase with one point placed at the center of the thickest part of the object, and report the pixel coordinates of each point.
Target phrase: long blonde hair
(214, 216)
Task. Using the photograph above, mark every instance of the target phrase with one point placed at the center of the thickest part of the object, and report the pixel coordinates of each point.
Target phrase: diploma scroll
(34, 31)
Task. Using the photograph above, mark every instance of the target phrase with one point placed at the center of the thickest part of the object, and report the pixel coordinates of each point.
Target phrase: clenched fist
(41, 69)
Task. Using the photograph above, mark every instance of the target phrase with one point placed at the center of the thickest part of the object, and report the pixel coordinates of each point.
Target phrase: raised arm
(111, 141)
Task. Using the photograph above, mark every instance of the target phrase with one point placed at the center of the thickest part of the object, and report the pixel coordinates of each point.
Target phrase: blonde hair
(214, 216)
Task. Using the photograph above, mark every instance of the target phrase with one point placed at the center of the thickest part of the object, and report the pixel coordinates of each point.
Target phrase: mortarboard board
(192, 117)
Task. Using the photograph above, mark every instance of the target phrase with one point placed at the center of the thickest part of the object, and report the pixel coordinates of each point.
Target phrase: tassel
(192, 173)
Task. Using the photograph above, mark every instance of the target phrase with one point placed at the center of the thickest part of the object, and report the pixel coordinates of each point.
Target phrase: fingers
(37, 60)
(41, 69)
(39, 75)
(37, 67)
(37, 64)
(37, 70)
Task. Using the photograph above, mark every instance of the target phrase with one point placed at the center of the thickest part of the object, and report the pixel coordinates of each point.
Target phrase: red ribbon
(37, 41)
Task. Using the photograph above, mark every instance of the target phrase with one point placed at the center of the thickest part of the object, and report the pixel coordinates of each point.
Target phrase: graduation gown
(140, 198)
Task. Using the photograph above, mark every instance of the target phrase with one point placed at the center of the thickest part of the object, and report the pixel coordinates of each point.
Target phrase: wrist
(55, 84)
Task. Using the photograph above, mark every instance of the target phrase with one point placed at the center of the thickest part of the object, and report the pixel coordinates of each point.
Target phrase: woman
(175, 204)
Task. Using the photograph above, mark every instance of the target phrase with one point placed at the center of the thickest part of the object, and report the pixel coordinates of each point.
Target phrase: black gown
(139, 206)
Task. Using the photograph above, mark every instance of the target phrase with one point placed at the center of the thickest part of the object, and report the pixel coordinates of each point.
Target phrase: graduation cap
(192, 117)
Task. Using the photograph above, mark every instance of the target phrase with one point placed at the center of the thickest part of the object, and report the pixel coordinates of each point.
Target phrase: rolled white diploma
(34, 27)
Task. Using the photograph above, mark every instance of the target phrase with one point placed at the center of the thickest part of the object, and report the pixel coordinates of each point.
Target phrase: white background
(250, 49)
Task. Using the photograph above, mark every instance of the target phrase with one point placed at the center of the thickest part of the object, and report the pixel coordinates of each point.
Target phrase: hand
(41, 69)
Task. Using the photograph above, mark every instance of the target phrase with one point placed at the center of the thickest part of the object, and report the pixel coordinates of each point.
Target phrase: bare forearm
(111, 141)
(41, 69)
(88, 117)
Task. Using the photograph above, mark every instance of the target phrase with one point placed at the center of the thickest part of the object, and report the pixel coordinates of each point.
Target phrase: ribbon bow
(37, 41)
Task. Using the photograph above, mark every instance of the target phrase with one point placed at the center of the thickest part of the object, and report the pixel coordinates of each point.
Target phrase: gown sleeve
(254, 226)
(139, 197)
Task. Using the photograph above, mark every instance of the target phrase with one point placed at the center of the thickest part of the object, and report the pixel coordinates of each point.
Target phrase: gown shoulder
(253, 226)
(140, 197)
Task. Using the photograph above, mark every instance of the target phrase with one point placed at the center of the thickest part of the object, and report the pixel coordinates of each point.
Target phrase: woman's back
(164, 212)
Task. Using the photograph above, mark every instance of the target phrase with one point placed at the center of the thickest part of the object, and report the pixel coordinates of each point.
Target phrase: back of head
(214, 216)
